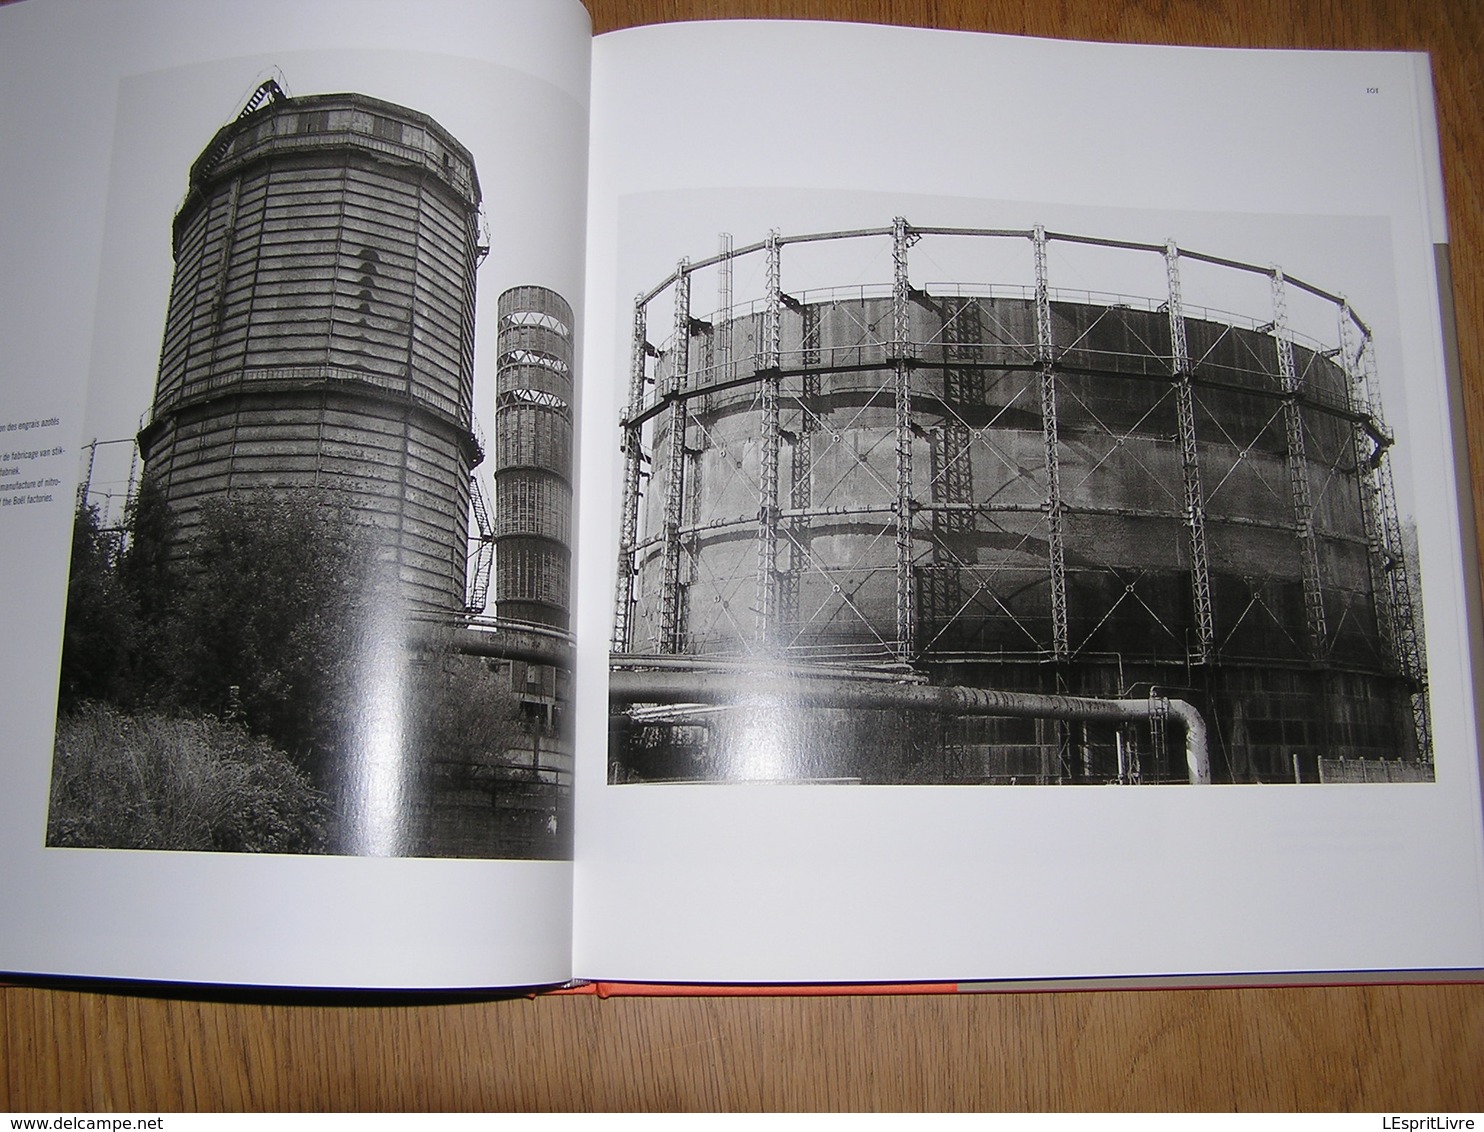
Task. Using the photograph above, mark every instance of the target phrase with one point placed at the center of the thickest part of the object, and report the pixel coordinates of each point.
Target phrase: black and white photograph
(958, 494)
(319, 589)
(489, 506)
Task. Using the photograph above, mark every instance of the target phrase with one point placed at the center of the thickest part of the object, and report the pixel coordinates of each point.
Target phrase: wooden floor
(1387, 1048)
(1392, 1049)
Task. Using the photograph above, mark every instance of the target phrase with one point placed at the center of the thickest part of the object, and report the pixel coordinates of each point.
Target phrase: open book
(737, 503)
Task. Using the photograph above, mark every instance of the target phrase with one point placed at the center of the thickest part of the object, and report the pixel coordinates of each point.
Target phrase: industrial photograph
(320, 612)
(914, 503)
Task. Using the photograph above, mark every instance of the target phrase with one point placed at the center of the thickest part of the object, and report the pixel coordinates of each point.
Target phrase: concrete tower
(533, 457)
(320, 332)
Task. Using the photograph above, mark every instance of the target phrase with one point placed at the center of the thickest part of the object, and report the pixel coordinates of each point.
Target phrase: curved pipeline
(630, 686)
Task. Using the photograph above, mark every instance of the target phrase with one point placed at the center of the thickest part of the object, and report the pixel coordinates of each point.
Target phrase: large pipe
(628, 686)
(503, 642)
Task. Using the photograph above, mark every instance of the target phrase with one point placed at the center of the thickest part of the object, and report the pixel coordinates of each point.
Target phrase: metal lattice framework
(984, 473)
(1050, 436)
(1190, 462)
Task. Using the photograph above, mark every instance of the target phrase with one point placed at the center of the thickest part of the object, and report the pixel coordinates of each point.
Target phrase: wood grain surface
(1388, 1048)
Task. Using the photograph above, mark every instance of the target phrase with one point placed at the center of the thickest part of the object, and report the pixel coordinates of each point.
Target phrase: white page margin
(766, 883)
(302, 921)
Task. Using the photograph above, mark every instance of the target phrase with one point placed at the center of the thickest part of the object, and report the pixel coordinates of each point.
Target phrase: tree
(463, 711)
(98, 640)
(275, 594)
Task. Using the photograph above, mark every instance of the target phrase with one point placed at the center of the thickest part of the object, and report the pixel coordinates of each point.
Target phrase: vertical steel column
(633, 461)
(900, 332)
(131, 489)
(1195, 501)
(801, 462)
(1045, 362)
(1396, 573)
(1367, 460)
(1298, 473)
(773, 313)
(723, 331)
(675, 464)
(86, 485)
(767, 517)
(1409, 646)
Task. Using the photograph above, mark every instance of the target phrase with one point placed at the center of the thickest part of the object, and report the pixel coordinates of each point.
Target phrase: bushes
(462, 711)
(275, 600)
(120, 596)
(206, 689)
(229, 691)
(154, 781)
(101, 624)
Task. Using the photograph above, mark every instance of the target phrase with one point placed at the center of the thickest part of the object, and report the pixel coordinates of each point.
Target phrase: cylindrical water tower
(533, 457)
(320, 332)
(1020, 488)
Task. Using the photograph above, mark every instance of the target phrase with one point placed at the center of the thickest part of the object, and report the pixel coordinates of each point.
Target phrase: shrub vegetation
(147, 780)
(214, 696)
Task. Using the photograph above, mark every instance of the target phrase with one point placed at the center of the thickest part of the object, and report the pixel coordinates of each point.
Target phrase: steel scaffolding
(843, 475)
(1190, 463)
(901, 355)
(1050, 435)
(1298, 472)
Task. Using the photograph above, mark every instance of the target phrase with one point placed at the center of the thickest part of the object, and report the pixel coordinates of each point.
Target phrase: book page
(287, 291)
(1021, 528)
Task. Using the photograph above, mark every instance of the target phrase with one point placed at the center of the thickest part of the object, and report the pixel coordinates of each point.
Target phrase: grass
(155, 781)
